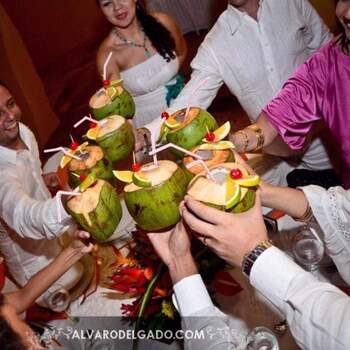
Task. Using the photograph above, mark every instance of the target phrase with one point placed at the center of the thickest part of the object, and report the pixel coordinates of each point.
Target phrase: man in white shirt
(29, 224)
(253, 48)
(318, 313)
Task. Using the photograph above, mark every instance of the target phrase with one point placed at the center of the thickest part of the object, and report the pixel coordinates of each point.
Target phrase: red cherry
(236, 174)
(106, 83)
(210, 136)
(74, 145)
(92, 125)
(165, 115)
(136, 167)
(82, 177)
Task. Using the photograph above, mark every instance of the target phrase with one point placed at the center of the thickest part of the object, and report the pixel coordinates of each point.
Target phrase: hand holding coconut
(230, 236)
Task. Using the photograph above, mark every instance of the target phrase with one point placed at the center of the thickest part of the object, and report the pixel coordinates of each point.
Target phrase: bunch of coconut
(112, 99)
(214, 150)
(187, 127)
(227, 186)
(114, 135)
(97, 209)
(153, 193)
(91, 160)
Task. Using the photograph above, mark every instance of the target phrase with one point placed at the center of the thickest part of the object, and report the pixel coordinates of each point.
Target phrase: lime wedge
(93, 133)
(139, 180)
(171, 123)
(116, 82)
(248, 181)
(123, 175)
(221, 145)
(90, 180)
(233, 193)
(221, 132)
(112, 92)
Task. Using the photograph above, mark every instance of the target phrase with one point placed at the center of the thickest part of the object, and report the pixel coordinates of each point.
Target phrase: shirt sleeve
(211, 328)
(331, 208)
(317, 312)
(28, 217)
(298, 106)
(317, 33)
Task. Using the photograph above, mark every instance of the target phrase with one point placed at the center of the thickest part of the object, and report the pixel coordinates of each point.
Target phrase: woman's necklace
(132, 42)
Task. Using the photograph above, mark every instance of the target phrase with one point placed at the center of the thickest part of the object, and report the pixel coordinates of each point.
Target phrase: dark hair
(159, 36)
(343, 41)
(9, 339)
(3, 84)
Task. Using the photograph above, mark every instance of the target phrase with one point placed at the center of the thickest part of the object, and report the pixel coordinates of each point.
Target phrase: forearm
(41, 281)
(292, 201)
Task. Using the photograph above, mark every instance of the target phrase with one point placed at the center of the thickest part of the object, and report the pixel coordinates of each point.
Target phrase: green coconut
(92, 161)
(155, 207)
(192, 128)
(114, 100)
(115, 136)
(97, 210)
(213, 193)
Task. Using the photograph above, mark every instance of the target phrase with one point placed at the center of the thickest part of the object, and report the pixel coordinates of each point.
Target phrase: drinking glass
(58, 300)
(261, 338)
(308, 248)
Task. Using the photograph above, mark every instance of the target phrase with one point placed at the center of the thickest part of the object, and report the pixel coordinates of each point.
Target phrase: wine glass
(261, 338)
(308, 248)
(58, 300)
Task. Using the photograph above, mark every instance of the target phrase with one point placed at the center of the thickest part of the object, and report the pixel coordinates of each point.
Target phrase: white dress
(147, 82)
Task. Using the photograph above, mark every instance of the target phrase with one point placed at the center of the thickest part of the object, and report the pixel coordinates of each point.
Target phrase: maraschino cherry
(82, 177)
(74, 145)
(106, 83)
(136, 167)
(236, 174)
(165, 115)
(210, 136)
(92, 125)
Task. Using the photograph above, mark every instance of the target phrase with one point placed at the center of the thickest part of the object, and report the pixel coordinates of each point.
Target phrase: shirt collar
(235, 17)
(8, 155)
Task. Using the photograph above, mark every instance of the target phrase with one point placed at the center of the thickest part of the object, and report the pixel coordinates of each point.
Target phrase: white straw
(105, 65)
(63, 150)
(82, 120)
(154, 152)
(59, 195)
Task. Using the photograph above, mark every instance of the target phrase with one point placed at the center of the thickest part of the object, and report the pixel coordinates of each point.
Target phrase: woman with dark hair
(318, 90)
(148, 50)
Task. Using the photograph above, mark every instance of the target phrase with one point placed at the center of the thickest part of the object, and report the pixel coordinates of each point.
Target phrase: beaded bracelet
(246, 141)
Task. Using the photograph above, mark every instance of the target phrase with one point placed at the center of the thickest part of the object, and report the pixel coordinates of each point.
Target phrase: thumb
(257, 205)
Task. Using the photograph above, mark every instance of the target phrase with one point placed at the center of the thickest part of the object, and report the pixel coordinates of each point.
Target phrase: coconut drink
(112, 99)
(153, 194)
(91, 161)
(115, 136)
(187, 127)
(230, 189)
(97, 210)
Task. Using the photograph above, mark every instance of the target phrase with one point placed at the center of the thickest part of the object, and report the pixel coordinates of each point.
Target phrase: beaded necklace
(132, 42)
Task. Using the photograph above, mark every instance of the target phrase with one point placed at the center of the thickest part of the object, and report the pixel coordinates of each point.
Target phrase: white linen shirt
(28, 215)
(254, 59)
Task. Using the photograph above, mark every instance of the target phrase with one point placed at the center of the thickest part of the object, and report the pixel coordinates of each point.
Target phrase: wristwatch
(250, 258)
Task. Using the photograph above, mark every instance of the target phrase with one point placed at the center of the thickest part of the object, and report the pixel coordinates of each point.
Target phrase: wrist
(182, 267)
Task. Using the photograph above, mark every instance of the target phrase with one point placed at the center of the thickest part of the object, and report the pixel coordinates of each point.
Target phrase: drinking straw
(82, 120)
(105, 65)
(154, 152)
(59, 195)
(50, 150)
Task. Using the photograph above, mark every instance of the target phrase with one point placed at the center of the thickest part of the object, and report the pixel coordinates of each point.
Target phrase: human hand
(230, 236)
(174, 248)
(52, 181)
(79, 246)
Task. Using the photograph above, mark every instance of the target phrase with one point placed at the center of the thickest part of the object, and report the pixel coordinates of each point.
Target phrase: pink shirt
(318, 90)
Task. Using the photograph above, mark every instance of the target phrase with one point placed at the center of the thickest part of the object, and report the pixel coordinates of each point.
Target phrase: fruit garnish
(221, 145)
(123, 175)
(136, 167)
(82, 177)
(66, 158)
(89, 181)
(139, 180)
(171, 123)
(165, 115)
(74, 145)
(112, 92)
(210, 137)
(93, 125)
(236, 174)
(93, 133)
(233, 193)
(116, 82)
(163, 133)
(106, 83)
(248, 181)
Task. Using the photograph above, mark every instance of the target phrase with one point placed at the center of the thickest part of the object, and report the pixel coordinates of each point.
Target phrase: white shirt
(318, 313)
(28, 215)
(254, 59)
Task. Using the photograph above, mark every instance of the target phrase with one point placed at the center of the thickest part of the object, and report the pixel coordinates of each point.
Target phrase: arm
(316, 32)
(40, 282)
(30, 218)
(180, 42)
